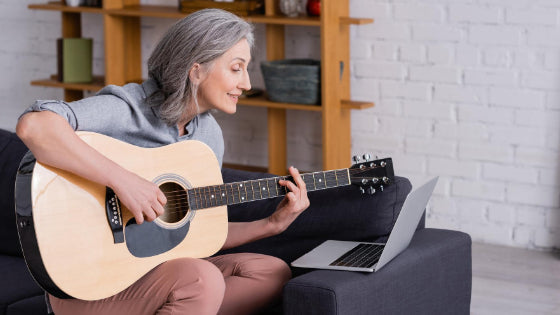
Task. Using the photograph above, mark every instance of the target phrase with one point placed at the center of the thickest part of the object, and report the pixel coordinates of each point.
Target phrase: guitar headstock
(372, 176)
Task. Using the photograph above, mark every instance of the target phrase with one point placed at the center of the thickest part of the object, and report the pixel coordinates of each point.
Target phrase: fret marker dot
(240, 185)
(264, 188)
(223, 195)
(242, 198)
(319, 180)
(212, 196)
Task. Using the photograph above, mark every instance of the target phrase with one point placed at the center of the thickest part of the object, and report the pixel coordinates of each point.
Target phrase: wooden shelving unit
(121, 20)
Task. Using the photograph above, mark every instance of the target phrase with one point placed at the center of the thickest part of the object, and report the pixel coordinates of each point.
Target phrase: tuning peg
(386, 179)
(383, 164)
(356, 159)
(371, 190)
(375, 180)
(362, 190)
(364, 181)
(381, 187)
(367, 157)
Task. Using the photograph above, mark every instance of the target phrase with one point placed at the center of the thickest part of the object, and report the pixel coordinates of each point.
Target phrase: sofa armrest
(432, 276)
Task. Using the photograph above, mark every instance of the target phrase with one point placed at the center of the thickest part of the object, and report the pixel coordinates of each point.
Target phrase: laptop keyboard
(362, 256)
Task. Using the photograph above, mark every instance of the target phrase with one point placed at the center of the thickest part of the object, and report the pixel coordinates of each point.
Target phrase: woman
(200, 65)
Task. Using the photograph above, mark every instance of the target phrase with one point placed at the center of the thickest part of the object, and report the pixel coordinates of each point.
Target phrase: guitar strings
(326, 175)
(234, 184)
(178, 199)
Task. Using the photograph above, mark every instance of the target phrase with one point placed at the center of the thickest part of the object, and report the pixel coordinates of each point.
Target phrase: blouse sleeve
(100, 113)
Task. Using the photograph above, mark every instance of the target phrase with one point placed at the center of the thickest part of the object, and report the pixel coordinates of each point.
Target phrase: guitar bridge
(114, 216)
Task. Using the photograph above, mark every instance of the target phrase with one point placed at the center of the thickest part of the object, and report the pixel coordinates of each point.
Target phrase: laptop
(370, 257)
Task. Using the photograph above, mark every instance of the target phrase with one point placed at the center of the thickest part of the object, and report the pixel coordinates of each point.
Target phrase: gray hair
(201, 38)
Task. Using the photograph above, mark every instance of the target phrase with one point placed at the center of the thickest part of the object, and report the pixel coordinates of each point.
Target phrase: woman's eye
(236, 68)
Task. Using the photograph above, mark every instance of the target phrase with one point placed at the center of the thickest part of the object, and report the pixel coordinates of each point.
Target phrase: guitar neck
(259, 189)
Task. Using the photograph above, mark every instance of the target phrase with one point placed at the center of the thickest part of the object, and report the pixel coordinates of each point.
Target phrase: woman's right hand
(141, 197)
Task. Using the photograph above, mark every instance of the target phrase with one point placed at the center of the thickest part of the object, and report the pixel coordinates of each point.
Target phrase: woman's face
(222, 85)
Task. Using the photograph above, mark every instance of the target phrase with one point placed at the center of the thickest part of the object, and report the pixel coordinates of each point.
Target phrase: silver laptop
(370, 257)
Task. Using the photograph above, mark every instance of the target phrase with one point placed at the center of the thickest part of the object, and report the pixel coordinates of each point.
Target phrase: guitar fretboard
(251, 190)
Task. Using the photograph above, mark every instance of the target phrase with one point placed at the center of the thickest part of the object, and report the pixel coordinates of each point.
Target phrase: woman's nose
(245, 83)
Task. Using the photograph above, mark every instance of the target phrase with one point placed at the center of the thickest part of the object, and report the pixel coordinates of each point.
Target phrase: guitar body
(64, 225)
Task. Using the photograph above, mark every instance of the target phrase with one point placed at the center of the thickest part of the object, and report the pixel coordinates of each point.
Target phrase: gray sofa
(432, 276)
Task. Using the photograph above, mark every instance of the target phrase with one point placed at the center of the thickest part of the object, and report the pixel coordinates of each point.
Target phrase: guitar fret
(329, 180)
(202, 194)
(211, 196)
(306, 179)
(234, 194)
(253, 187)
(227, 195)
(265, 189)
(314, 182)
(242, 197)
(345, 175)
(217, 195)
(223, 195)
(219, 200)
(336, 178)
(253, 184)
(238, 192)
(231, 195)
(279, 188)
(271, 193)
(321, 180)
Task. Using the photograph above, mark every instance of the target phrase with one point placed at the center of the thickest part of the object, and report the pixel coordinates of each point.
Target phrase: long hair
(201, 38)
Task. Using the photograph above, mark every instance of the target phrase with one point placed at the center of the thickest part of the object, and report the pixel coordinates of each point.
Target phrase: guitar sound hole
(177, 205)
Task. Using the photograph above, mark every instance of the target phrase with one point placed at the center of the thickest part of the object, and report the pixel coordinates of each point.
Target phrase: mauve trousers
(229, 284)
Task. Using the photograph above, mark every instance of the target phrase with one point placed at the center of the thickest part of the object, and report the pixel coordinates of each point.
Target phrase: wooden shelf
(97, 84)
(149, 11)
(170, 12)
(347, 104)
(59, 6)
(355, 21)
(261, 101)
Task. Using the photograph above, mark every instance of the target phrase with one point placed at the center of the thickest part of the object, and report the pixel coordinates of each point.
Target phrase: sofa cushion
(17, 283)
(12, 150)
(32, 305)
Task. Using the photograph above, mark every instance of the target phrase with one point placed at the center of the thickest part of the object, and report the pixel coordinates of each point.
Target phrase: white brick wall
(485, 75)
(467, 90)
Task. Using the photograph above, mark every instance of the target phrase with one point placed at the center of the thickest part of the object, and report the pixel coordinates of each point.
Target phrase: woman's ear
(195, 74)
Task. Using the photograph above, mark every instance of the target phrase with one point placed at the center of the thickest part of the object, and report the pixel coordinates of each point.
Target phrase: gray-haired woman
(199, 65)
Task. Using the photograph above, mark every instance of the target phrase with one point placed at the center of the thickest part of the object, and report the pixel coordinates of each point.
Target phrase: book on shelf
(74, 60)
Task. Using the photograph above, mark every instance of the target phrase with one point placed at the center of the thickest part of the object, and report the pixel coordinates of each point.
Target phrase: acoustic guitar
(80, 242)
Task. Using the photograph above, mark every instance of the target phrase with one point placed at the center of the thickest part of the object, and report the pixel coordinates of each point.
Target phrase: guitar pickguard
(149, 239)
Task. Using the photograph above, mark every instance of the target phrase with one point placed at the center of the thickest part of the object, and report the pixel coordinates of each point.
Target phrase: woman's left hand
(293, 204)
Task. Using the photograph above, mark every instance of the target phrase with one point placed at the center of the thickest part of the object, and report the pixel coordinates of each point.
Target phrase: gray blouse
(123, 113)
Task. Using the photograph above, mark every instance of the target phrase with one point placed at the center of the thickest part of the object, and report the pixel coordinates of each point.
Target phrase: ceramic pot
(290, 8)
